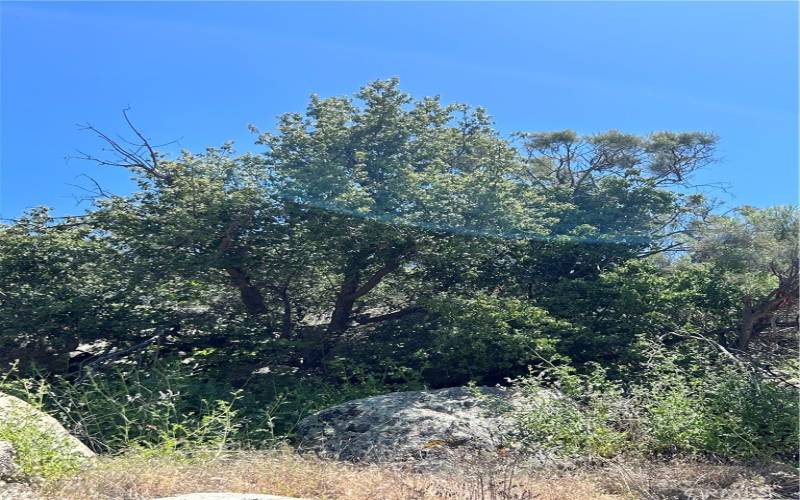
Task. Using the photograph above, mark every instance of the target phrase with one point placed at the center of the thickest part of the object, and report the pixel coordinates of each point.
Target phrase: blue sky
(200, 72)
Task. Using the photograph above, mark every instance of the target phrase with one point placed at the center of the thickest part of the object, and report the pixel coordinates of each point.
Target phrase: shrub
(584, 416)
(40, 454)
(697, 402)
(130, 407)
(165, 406)
(486, 338)
(682, 402)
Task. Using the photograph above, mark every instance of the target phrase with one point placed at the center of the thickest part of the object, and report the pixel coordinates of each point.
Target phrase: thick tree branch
(376, 278)
(251, 296)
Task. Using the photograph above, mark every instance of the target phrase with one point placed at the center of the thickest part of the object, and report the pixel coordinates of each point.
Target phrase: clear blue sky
(200, 72)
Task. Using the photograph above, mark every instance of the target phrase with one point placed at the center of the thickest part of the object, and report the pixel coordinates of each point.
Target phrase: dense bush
(169, 406)
(486, 339)
(676, 404)
(39, 453)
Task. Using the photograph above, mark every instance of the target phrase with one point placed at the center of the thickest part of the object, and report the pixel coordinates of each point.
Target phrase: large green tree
(390, 187)
(365, 211)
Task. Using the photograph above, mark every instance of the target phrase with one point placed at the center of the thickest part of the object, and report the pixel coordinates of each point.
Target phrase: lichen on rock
(413, 425)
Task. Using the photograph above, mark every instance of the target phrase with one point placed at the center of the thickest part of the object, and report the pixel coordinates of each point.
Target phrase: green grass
(40, 454)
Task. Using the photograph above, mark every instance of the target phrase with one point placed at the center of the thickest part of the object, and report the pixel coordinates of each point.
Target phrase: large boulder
(416, 425)
(17, 412)
(12, 480)
(9, 470)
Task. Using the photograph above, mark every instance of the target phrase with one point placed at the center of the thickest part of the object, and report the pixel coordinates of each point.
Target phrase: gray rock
(17, 412)
(414, 425)
(17, 491)
(13, 485)
(9, 470)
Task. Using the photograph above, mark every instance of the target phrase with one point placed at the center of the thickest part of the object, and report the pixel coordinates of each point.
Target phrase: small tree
(758, 251)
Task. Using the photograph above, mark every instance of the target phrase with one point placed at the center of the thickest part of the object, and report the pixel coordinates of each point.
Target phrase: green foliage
(485, 338)
(131, 408)
(697, 405)
(585, 414)
(56, 290)
(679, 403)
(381, 242)
(361, 210)
(40, 454)
(171, 408)
(751, 241)
(757, 252)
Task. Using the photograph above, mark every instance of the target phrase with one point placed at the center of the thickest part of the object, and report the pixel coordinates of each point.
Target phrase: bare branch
(128, 156)
(145, 142)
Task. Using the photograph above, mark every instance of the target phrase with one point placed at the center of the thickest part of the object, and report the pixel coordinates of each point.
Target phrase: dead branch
(135, 155)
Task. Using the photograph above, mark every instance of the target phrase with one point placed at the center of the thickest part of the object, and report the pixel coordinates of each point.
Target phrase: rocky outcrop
(19, 413)
(411, 425)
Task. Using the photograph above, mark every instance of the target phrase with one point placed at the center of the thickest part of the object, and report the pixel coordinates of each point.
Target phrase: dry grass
(285, 473)
(685, 480)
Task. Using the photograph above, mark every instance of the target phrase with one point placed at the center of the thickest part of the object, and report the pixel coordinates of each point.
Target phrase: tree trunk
(286, 326)
(746, 325)
(251, 296)
(343, 308)
(352, 289)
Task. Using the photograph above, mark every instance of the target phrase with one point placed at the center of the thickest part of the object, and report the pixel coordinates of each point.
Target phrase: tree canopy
(399, 236)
